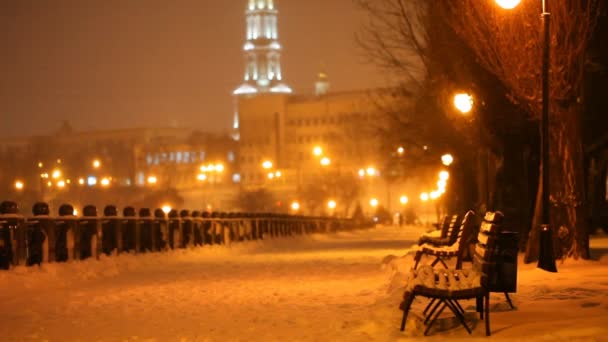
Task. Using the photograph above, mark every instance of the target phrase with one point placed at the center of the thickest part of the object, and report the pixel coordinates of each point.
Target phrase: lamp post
(464, 103)
(548, 265)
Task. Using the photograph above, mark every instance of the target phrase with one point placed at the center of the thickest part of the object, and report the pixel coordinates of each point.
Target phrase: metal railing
(42, 238)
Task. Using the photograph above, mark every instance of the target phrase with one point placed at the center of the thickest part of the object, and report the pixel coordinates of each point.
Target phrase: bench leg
(458, 315)
(431, 302)
(428, 317)
(488, 333)
(417, 258)
(428, 327)
(509, 300)
(408, 298)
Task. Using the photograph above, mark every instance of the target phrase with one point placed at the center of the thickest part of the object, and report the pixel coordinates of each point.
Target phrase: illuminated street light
(96, 164)
(317, 151)
(544, 119)
(40, 164)
(152, 180)
(295, 206)
(508, 4)
(278, 174)
(56, 174)
(49, 184)
(81, 181)
(61, 184)
(447, 159)
(331, 204)
(267, 164)
(201, 177)
(400, 150)
(424, 196)
(463, 102)
(325, 161)
(270, 175)
(105, 182)
(441, 184)
(44, 175)
(434, 194)
(444, 175)
(404, 200)
(219, 168)
(166, 209)
(19, 185)
(373, 202)
(371, 171)
(361, 173)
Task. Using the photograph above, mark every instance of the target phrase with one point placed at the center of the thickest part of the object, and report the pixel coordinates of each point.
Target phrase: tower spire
(262, 50)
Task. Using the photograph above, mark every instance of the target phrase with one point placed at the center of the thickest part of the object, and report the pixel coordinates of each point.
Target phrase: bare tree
(509, 45)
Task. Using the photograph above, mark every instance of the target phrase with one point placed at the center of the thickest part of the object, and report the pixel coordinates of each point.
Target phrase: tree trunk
(568, 216)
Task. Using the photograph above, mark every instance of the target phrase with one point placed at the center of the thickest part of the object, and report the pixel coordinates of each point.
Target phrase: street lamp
(19, 185)
(447, 159)
(463, 102)
(544, 121)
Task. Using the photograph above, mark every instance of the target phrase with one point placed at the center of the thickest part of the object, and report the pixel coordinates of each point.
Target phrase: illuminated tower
(262, 51)
(262, 55)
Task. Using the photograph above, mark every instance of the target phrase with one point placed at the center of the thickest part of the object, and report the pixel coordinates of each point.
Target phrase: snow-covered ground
(339, 287)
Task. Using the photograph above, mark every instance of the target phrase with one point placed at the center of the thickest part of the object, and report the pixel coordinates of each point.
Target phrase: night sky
(103, 64)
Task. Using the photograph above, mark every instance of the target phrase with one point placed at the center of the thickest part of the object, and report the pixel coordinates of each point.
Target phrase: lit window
(236, 178)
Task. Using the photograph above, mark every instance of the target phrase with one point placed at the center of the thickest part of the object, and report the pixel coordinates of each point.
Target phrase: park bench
(445, 287)
(449, 232)
(465, 235)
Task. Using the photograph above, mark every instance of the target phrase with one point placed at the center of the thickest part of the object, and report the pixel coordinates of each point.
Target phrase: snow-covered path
(307, 288)
(338, 287)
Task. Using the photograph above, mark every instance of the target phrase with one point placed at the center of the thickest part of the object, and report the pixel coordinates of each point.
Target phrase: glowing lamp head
(508, 4)
(267, 164)
(19, 185)
(166, 209)
(317, 151)
(331, 204)
(424, 196)
(96, 164)
(404, 200)
(361, 173)
(373, 202)
(447, 159)
(371, 171)
(325, 161)
(56, 174)
(152, 180)
(201, 177)
(444, 175)
(295, 206)
(463, 102)
(400, 150)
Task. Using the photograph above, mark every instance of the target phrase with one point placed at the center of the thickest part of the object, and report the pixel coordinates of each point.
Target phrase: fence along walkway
(43, 238)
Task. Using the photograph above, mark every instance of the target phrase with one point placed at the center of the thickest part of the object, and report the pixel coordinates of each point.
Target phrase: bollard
(130, 230)
(89, 244)
(546, 258)
(197, 225)
(111, 234)
(206, 227)
(160, 233)
(174, 226)
(186, 220)
(12, 235)
(216, 228)
(37, 242)
(40, 235)
(67, 246)
(146, 224)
